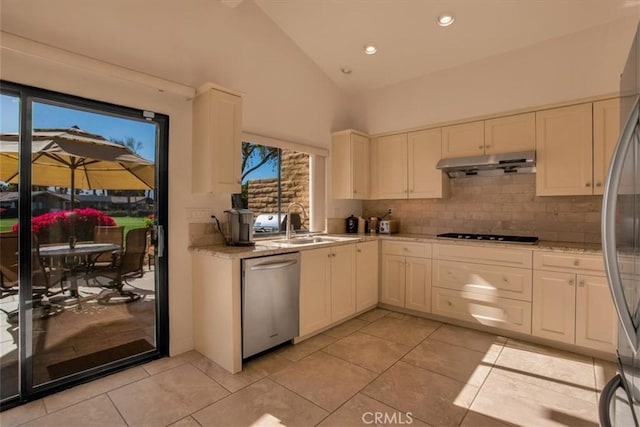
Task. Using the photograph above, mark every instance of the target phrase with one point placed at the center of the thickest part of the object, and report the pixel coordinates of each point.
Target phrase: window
(272, 178)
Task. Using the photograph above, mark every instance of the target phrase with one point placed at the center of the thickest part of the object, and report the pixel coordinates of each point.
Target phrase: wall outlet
(390, 211)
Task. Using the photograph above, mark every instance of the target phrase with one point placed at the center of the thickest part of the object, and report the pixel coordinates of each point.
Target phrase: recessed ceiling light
(446, 19)
(345, 70)
(370, 49)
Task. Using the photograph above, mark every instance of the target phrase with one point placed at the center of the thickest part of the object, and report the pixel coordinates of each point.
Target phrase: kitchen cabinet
(389, 167)
(572, 302)
(606, 130)
(424, 151)
(406, 275)
(510, 134)
(404, 166)
(490, 286)
(216, 158)
(350, 161)
(564, 151)
(366, 275)
(327, 286)
(466, 139)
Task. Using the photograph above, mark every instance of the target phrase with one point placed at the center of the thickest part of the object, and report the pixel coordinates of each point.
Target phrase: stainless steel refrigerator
(620, 400)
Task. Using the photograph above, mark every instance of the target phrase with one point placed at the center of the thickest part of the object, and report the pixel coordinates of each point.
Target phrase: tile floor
(384, 366)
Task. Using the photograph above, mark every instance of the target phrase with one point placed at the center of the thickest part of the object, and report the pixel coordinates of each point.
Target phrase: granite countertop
(265, 249)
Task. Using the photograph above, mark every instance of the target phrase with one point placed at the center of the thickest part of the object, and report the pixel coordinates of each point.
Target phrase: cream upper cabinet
(350, 165)
(510, 134)
(466, 139)
(606, 130)
(366, 275)
(424, 152)
(389, 167)
(216, 158)
(564, 151)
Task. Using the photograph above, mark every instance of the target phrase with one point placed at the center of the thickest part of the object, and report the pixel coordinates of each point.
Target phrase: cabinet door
(564, 160)
(360, 166)
(391, 166)
(393, 280)
(424, 151)
(466, 139)
(315, 290)
(510, 134)
(343, 281)
(418, 284)
(216, 158)
(606, 129)
(554, 306)
(366, 275)
(596, 319)
(349, 165)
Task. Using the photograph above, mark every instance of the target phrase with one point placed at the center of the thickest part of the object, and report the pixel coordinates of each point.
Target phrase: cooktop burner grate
(527, 240)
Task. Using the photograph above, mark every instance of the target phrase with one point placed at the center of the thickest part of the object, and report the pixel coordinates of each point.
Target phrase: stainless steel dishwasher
(270, 301)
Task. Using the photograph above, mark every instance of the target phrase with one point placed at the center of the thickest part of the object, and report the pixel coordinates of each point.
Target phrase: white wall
(577, 66)
(286, 95)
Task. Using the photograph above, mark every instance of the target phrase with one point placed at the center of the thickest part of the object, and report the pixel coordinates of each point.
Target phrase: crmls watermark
(387, 418)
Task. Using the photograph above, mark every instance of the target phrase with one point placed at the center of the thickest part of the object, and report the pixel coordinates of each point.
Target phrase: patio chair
(107, 234)
(124, 266)
(43, 278)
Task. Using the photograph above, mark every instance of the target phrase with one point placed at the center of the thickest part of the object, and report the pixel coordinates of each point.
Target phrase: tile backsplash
(500, 205)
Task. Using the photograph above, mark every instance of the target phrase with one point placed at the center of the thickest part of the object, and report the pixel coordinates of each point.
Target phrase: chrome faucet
(288, 228)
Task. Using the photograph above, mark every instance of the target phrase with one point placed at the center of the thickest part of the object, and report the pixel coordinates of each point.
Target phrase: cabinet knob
(480, 147)
(576, 262)
(581, 283)
(487, 146)
(355, 191)
(449, 303)
(570, 282)
(505, 280)
(588, 184)
(598, 184)
(406, 249)
(359, 250)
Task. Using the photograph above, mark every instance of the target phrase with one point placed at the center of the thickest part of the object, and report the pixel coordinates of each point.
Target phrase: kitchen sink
(304, 240)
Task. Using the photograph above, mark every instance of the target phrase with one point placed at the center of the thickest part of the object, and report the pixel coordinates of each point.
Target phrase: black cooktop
(527, 240)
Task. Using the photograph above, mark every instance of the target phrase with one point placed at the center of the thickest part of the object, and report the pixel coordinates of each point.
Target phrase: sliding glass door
(89, 180)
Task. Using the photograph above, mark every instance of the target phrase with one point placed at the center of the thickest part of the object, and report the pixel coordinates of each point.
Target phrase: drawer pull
(505, 280)
(449, 303)
(406, 249)
(576, 262)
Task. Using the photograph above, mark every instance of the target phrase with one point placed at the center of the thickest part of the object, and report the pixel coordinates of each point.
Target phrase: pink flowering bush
(56, 227)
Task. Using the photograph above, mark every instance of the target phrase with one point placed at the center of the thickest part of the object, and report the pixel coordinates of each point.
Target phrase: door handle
(273, 265)
(159, 231)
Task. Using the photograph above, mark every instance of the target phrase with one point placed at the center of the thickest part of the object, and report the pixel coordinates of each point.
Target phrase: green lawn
(129, 222)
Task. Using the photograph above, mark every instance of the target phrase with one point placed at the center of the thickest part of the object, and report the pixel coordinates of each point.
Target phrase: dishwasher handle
(273, 265)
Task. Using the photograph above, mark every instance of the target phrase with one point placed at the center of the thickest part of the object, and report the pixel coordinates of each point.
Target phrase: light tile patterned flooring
(383, 364)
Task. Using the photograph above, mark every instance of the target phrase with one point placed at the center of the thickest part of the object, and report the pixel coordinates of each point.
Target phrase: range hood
(490, 164)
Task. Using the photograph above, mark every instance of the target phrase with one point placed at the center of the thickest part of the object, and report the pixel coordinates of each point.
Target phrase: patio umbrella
(76, 159)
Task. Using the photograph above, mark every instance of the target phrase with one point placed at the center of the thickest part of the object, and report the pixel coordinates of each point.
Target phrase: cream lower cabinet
(366, 275)
(327, 286)
(570, 306)
(489, 286)
(406, 275)
(574, 309)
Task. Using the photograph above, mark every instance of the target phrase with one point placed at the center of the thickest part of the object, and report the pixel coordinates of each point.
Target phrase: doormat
(98, 358)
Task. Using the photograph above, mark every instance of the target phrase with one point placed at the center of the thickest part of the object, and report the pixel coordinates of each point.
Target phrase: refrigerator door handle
(609, 206)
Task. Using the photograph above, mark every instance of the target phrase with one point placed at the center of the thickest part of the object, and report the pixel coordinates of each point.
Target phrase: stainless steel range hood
(490, 164)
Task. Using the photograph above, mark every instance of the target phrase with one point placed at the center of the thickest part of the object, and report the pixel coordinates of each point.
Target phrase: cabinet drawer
(486, 310)
(419, 250)
(572, 263)
(507, 282)
(510, 257)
